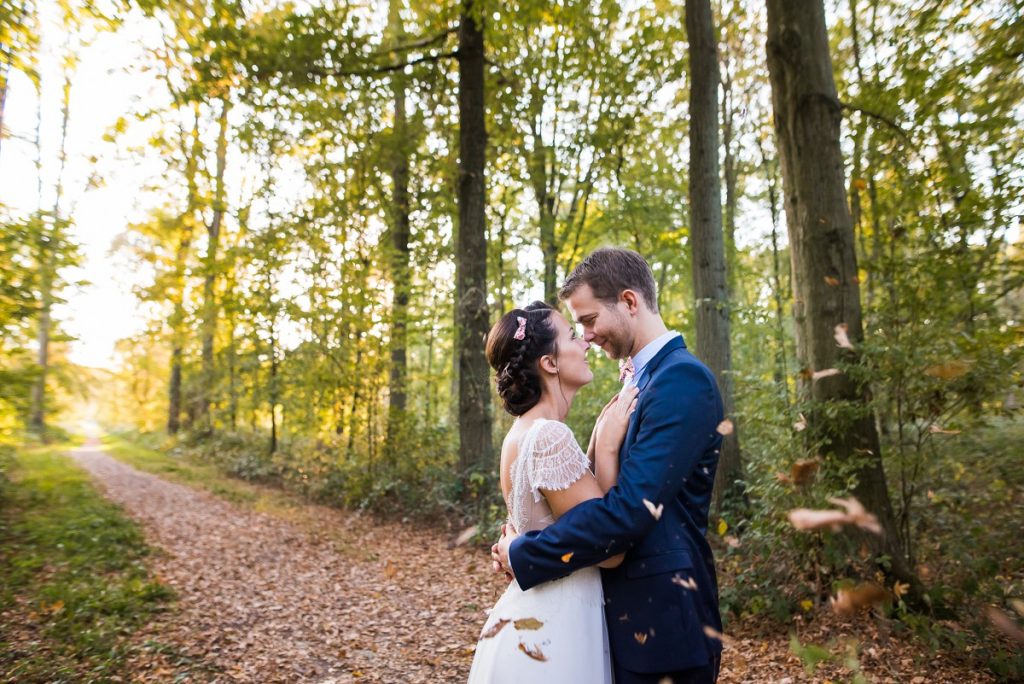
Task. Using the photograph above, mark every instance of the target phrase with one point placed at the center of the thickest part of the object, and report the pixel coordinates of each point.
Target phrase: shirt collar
(650, 350)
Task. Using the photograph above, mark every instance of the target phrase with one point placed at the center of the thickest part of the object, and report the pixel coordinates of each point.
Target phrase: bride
(555, 632)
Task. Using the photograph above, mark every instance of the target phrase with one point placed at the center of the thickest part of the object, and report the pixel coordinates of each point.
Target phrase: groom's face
(606, 325)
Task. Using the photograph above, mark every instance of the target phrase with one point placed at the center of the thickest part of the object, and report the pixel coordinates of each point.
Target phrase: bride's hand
(597, 424)
(614, 420)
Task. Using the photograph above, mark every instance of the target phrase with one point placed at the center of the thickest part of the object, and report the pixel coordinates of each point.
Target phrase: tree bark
(824, 260)
(400, 229)
(471, 249)
(210, 308)
(706, 239)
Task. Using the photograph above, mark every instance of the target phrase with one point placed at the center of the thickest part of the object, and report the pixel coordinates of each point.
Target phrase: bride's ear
(548, 364)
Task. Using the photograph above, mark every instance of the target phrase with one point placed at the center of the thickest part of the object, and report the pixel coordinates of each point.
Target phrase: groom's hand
(499, 551)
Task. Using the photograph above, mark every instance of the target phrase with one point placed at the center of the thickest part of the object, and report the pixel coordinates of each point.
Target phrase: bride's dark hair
(515, 361)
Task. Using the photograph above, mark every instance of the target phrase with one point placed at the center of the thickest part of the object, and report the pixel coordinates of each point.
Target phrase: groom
(661, 599)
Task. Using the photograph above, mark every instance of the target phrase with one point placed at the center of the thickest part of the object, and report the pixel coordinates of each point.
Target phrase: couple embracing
(613, 577)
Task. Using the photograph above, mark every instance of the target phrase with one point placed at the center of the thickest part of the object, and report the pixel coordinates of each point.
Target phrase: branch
(880, 117)
(415, 45)
(387, 68)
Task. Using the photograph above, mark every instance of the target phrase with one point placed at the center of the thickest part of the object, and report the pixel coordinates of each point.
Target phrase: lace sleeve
(556, 460)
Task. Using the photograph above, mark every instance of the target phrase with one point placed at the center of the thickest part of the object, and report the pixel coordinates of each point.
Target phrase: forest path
(322, 595)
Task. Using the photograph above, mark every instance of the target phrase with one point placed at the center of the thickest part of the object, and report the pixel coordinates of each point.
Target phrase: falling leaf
(949, 370)
(466, 535)
(1004, 623)
(723, 527)
(939, 430)
(801, 424)
(783, 478)
(900, 589)
(654, 510)
(842, 336)
(807, 604)
(54, 607)
(641, 637)
(390, 569)
(803, 471)
(850, 600)
(567, 556)
(534, 652)
(855, 514)
(859, 183)
(688, 583)
(732, 542)
(495, 628)
(528, 623)
(830, 281)
(725, 427)
(826, 373)
(712, 633)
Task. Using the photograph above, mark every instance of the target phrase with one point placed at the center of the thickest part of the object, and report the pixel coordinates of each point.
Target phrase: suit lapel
(672, 345)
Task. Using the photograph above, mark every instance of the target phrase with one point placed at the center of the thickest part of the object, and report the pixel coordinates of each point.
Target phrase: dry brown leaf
(859, 183)
(712, 633)
(654, 510)
(495, 628)
(939, 430)
(802, 472)
(1005, 624)
(687, 583)
(725, 427)
(851, 600)
(949, 370)
(528, 623)
(466, 535)
(534, 652)
(855, 514)
(826, 373)
(859, 516)
(801, 424)
(566, 557)
(842, 336)
(831, 282)
(641, 637)
(390, 569)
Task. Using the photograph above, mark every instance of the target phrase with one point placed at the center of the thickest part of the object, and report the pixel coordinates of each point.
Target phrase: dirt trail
(329, 596)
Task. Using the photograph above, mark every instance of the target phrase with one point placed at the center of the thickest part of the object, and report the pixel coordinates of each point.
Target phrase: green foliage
(73, 567)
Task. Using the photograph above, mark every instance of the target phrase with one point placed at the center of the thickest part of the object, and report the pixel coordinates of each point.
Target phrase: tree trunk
(471, 249)
(210, 309)
(400, 274)
(824, 260)
(706, 239)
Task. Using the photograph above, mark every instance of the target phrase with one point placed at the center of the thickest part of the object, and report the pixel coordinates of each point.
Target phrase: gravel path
(263, 599)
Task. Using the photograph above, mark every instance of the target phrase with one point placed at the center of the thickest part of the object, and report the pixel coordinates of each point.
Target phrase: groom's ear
(632, 300)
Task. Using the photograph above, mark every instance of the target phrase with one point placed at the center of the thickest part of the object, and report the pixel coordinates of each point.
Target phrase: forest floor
(292, 592)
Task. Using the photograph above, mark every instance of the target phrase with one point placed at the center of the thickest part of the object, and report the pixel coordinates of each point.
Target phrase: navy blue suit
(669, 457)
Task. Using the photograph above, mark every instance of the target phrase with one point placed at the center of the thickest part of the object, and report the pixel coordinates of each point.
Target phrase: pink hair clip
(521, 330)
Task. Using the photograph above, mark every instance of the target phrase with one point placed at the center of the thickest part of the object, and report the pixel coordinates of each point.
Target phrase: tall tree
(471, 314)
(400, 267)
(825, 277)
(706, 241)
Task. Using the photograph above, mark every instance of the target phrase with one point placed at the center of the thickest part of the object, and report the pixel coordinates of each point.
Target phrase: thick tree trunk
(706, 239)
(826, 286)
(210, 308)
(400, 273)
(471, 250)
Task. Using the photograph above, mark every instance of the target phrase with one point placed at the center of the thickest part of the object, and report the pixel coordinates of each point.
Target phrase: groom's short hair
(610, 270)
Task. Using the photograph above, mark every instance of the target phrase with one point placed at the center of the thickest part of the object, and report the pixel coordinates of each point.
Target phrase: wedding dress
(554, 632)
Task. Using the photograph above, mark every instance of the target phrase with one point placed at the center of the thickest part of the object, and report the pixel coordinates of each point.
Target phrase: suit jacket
(660, 599)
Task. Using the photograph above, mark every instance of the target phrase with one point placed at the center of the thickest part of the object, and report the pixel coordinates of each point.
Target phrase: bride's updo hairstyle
(515, 361)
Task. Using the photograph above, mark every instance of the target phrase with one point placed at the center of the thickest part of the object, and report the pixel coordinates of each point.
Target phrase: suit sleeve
(677, 425)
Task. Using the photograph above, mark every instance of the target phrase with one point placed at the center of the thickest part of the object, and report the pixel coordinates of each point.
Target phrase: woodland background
(350, 193)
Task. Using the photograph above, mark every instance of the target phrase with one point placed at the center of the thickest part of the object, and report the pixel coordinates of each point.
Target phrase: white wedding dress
(555, 632)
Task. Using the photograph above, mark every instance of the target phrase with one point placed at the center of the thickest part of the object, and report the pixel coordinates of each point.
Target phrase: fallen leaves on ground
(262, 599)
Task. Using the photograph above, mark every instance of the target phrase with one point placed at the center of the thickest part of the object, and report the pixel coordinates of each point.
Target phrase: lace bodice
(548, 458)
